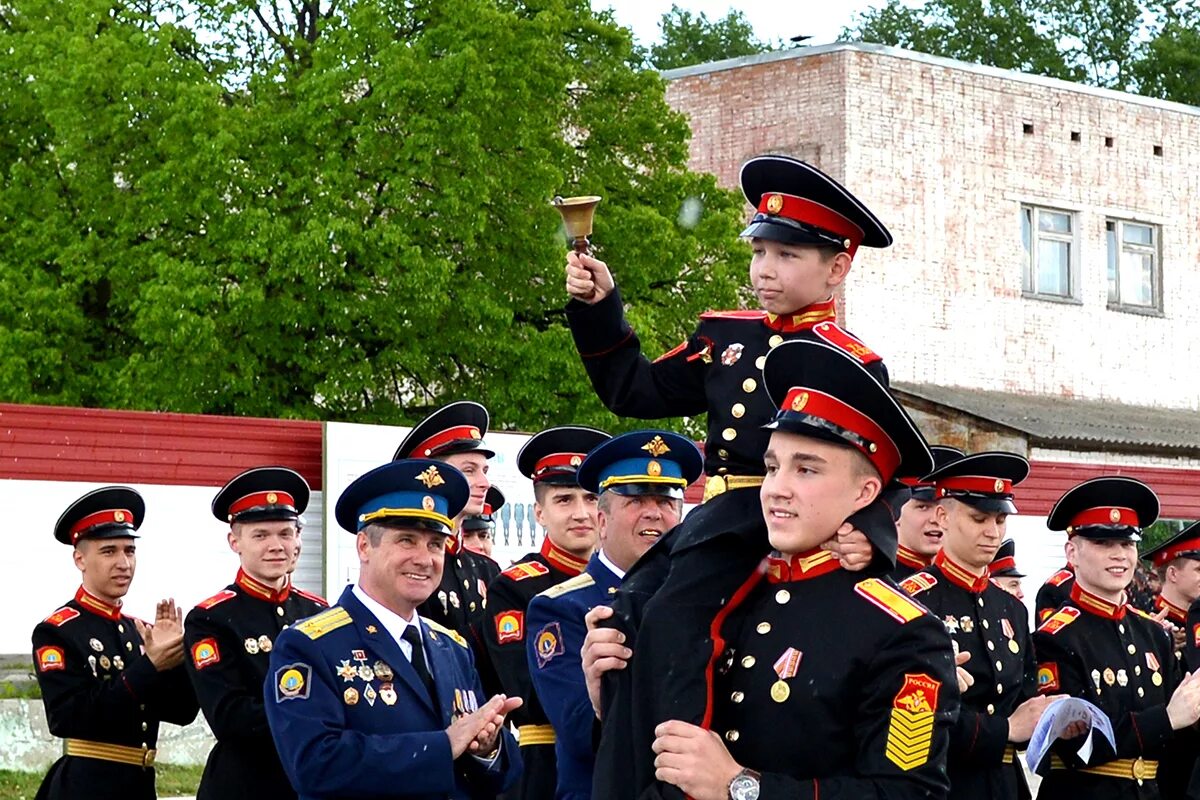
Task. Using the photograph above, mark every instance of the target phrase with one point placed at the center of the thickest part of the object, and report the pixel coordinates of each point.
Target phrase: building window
(1133, 264)
(1049, 239)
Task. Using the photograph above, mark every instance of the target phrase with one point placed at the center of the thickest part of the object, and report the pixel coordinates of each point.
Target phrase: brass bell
(577, 219)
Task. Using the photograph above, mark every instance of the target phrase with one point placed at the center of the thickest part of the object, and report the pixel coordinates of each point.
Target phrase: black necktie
(413, 637)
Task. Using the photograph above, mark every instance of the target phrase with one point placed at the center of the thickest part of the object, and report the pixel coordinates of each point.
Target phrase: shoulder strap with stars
(323, 623)
(1060, 577)
(455, 635)
(526, 569)
(62, 616)
(571, 584)
(845, 341)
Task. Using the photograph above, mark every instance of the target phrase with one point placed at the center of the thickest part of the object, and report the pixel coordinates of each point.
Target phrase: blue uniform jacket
(555, 636)
(350, 718)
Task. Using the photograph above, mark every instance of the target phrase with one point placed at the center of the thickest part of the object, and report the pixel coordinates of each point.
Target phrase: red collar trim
(804, 319)
(1095, 605)
(561, 559)
(959, 575)
(800, 567)
(1174, 612)
(256, 588)
(97, 606)
(911, 558)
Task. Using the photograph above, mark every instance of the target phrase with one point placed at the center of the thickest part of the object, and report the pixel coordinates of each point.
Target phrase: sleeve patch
(894, 603)
(292, 682)
(525, 570)
(50, 658)
(847, 342)
(323, 623)
(205, 652)
(918, 582)
(1061, 619)
(63, 615)
(217, 599)
(1047, 677)
(510, 626)
(1060, 577)
(910, 730)
(548, 644)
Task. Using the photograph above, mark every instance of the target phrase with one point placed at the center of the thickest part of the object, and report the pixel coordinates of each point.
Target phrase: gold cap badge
(272, 497)
(654, 469)
(999, 485)
(800, 401)
(576, 461)
(656, 446)
(431, 478)
(774, 204)
(119, 516)
(427, 503)
(1114, 515)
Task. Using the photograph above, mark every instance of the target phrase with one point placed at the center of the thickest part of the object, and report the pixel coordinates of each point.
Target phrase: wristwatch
(744, 785)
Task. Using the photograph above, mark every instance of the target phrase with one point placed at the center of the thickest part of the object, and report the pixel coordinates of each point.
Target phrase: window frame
(1031, 211)
(1114, 233)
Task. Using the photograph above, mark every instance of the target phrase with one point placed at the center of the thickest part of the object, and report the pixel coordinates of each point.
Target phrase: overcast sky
(772, 19)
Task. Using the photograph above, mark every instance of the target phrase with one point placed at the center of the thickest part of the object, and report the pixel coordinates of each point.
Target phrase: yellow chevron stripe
(910, 738)
(897, 604)
(323, 623)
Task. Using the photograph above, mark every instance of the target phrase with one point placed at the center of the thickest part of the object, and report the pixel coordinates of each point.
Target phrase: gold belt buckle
(1139, 769)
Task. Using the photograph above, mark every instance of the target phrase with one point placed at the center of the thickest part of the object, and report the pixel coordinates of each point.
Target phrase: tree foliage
(335, 209)
(689, 38)
(1149, 47)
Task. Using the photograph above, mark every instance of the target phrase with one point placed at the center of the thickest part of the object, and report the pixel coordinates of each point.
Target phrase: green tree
(689, 38)
(1170, 66)
(333, 211)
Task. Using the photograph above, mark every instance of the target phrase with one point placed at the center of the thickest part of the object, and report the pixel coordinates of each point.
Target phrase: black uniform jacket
(1053, 593)
(99, 686)
(229, 638)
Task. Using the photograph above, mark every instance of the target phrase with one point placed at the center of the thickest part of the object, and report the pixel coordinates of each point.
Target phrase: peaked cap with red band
(1004, 565)
(492, 502)
(823, 393)
(1185, 544)
(108, 513)
(262, 493)
(982, 480)
(1105, 508)
(796, 203)
(455, 428)
(554, 455)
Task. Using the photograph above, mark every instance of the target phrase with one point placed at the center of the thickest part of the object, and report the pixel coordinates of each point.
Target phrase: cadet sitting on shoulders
(230, 635)
(108, 679)
(640, 478)
(368, 698)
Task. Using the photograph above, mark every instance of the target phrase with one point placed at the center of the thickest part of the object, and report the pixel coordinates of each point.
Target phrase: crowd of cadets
(841, 617)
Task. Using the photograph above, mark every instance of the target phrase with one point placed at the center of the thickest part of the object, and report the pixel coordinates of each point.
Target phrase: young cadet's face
(918, 527)
(568, 513)
(1184, 575)
(107, 566)
(1103, 566)
(811, 487)
(404, 569)
(633, 523)
(474, 467)
(478, 541)
(786, 278)
(1010, 585)
(267, 549)
(972, 536)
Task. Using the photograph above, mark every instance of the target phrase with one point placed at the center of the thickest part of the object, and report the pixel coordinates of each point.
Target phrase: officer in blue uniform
(640, 478)
(369, 699)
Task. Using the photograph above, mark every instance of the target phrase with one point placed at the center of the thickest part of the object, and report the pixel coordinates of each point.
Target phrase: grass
(172, 781)
(10, 690)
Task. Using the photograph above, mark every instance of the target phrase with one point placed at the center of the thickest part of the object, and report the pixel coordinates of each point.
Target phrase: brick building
(1040, 295)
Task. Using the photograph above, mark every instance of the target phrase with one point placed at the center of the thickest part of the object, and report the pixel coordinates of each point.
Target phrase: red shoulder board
(918, 582)
(1141, 613)
(674, 351)
(737, 314)
(217, 599)
(1061, 619)
(1060, 577)
(842, 340)
(64, 614)
(526, 569)
(316, 598)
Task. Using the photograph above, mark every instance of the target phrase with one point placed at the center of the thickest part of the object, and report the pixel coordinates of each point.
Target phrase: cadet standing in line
(1001, 708)
(1177, 561)
(1097, 647)
(804, 235)
(478, 530)
(108, 679)
(918, 528)
(639, 478)
(230, 635)
(369, 699)
(802, 708)
(1192, 626)
(568, 513)
(1055, 591)
(1003, 570)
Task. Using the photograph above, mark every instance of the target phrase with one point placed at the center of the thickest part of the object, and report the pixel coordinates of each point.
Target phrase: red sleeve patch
(65, 614)
(316, 598)
(217, 599)
(510, 626)
(1047, 677)
(846, 342)
(1060, 577)
(525, 570)
(50, 658)
(205, 652)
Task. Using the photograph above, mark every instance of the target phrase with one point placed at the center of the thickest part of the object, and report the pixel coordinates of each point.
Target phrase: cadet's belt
(137, 756)
(1131, 769)
(1010, 754)
(720, 484)
(535, 734)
